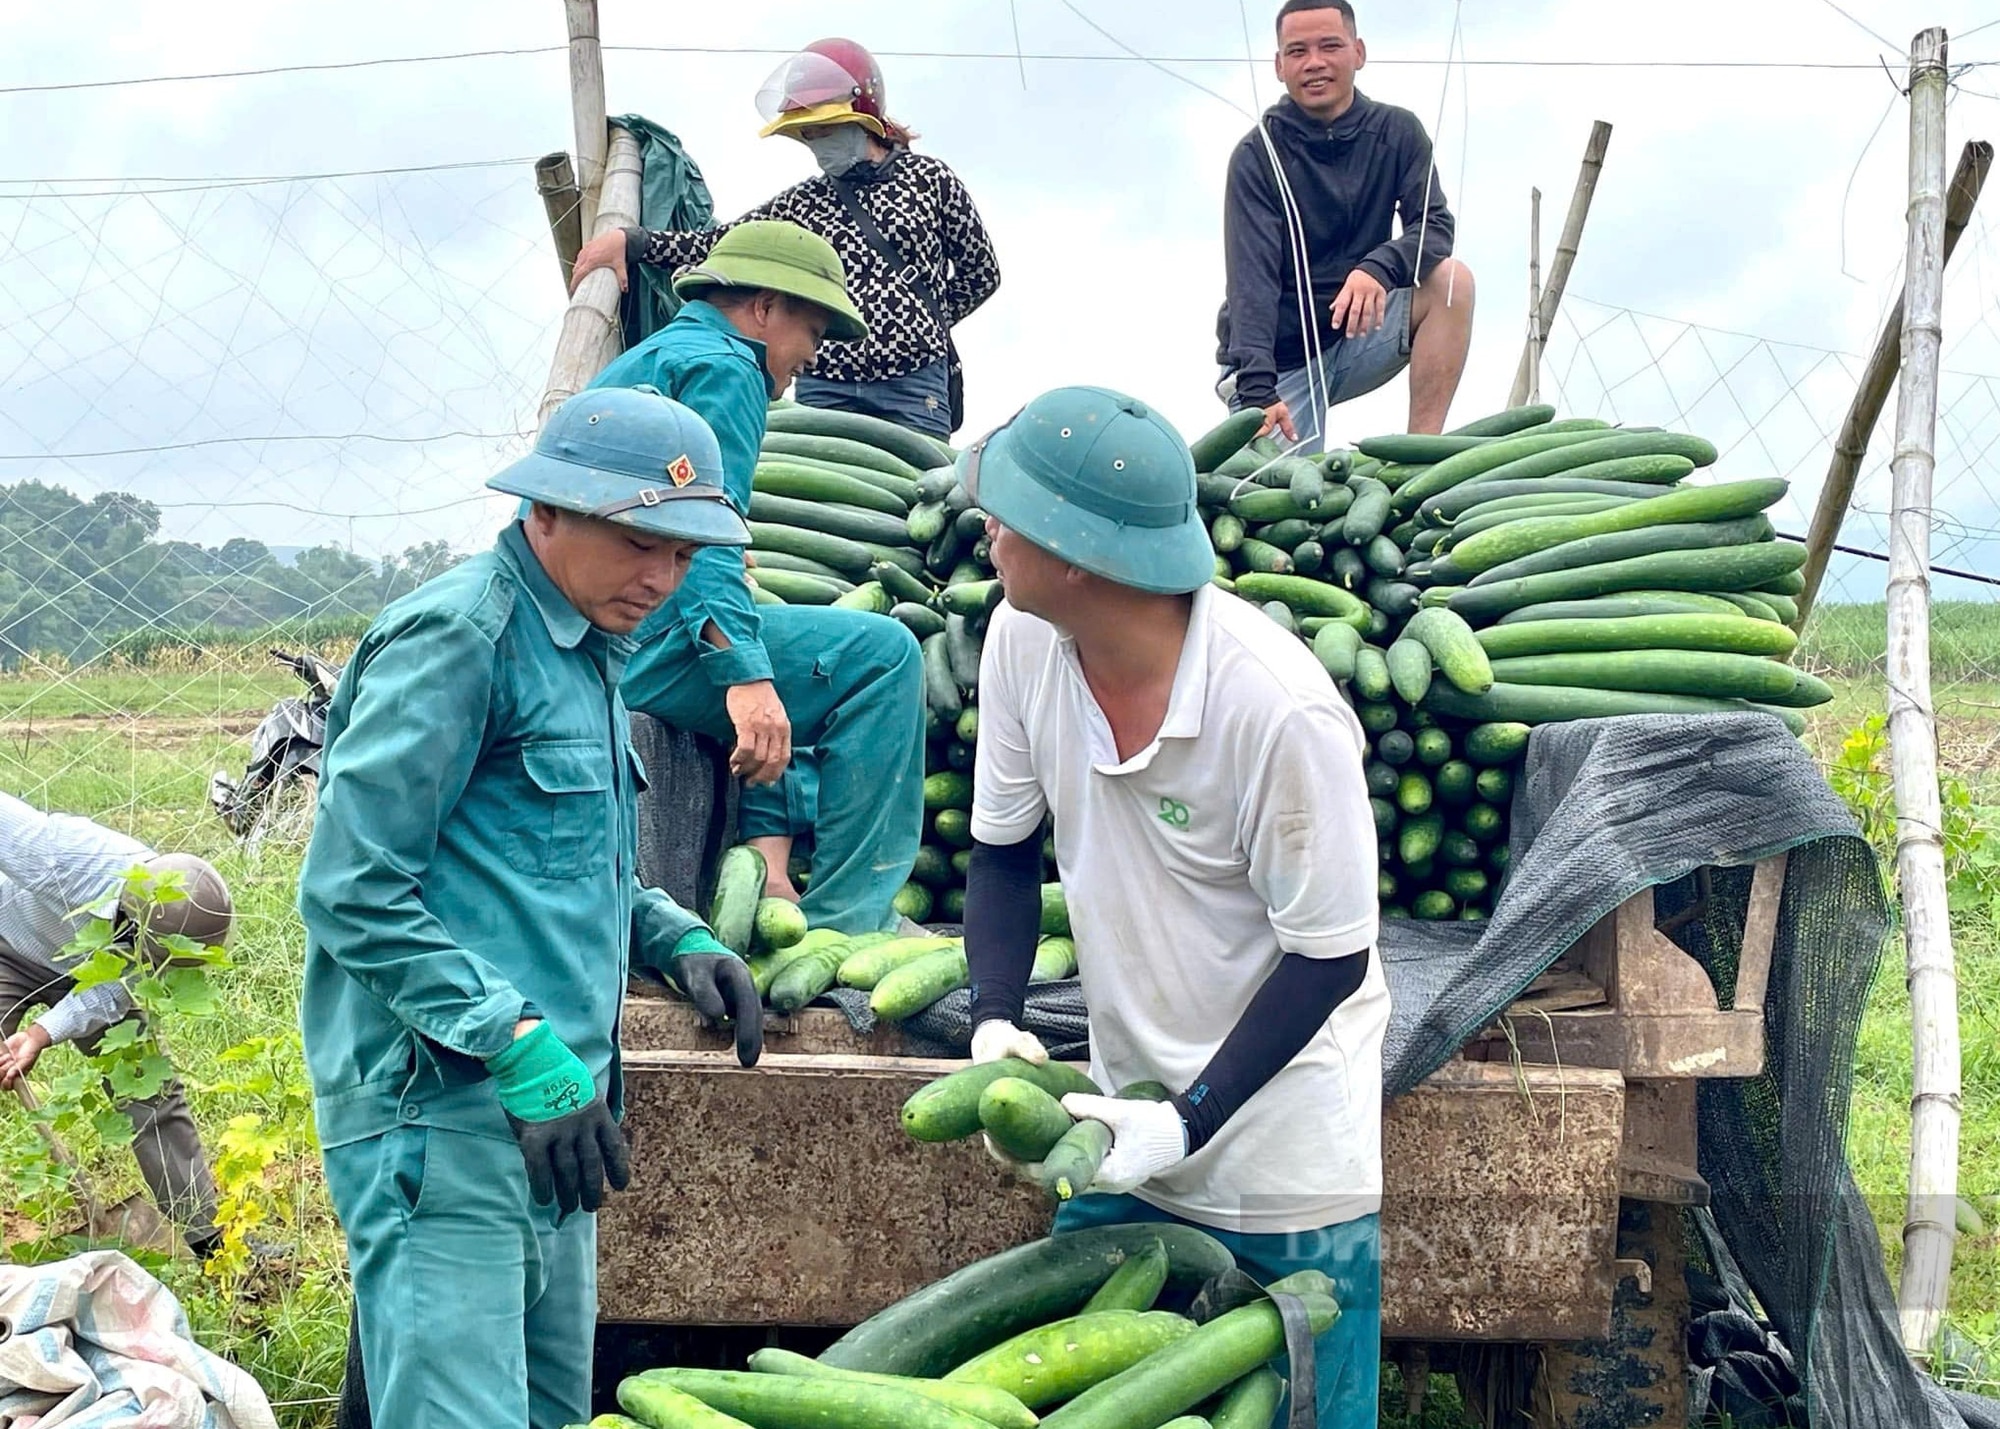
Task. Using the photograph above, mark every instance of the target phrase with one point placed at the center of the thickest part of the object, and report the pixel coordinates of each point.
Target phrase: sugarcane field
(961, 717)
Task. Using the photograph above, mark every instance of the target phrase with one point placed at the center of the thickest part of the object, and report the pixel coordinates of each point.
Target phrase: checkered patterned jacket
(925, 212)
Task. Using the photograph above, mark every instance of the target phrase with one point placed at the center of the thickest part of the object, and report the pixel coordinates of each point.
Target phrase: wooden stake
(93, 1208)
(1975, 161)
(586, 101)
(591, 333)
(562, 201)
(1572, 236)
(1535, 333)
(1929, 1224)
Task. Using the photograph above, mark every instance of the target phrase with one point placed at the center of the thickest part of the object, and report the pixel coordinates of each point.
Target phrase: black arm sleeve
(1003, 922)
(1293, 1004)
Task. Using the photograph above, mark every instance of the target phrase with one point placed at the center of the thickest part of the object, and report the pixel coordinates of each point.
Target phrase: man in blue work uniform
(846, 684)
(472, 911)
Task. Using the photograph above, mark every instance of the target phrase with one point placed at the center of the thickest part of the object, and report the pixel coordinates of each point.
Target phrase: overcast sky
(407, 307)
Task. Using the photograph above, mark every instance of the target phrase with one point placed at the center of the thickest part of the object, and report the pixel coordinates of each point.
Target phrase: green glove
(539, 1079)
(699, 940)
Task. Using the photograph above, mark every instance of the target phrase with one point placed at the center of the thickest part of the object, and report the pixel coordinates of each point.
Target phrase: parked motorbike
(279, 787)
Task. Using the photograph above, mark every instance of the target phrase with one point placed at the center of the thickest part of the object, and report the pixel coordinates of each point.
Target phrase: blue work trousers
(852, 686)
(920, 399)
(475, 1309)
(1349, 1355)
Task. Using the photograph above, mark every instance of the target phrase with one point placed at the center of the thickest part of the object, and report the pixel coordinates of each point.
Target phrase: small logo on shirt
(1173, 813)
(681, 470)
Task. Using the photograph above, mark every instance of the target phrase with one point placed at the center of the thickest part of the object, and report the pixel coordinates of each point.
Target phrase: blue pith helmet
(1101, 480)
(631, 455)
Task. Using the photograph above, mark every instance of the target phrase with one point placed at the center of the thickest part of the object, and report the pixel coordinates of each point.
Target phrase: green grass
(286, 1324)
(1852, 640)
(125, 696)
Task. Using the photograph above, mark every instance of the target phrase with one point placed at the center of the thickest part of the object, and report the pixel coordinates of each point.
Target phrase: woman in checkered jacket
(917, 256)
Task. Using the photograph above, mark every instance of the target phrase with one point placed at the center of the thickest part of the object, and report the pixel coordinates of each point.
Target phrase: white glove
(997, 1038)
(1146, 1139)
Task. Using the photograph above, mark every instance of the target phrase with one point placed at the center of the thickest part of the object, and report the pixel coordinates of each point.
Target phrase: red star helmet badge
(681, 470)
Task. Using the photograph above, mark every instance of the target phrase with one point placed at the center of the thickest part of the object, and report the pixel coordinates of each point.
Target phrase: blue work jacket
(473, 854)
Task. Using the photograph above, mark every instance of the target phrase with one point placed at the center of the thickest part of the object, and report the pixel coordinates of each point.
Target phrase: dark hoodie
(1350, 181)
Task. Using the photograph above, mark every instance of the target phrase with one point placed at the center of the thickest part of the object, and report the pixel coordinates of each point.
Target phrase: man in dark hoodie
(1318, 186)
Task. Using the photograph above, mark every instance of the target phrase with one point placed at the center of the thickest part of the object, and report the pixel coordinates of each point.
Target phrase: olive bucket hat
(1101, 480)
(631, 455)
(785, 258)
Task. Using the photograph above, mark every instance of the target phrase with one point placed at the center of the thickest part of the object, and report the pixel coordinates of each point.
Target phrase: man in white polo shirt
(1213, 830)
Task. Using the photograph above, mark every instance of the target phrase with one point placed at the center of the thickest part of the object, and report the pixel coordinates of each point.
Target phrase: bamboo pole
(591, 332)
(562, 201)
(1535, 334)
(586, 101)
(1572, 236)
(1929, 1224)
(1975, 161)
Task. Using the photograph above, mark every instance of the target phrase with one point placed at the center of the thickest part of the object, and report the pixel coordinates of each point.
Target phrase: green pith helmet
(631, 455)
(785, 258)
(1100, 480)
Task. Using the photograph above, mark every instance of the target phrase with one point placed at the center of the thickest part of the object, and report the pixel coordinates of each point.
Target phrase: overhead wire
(1454, 44)
(1860, 25)
(171, 184)
(1158, 64)
(1847, 195)
(1318, 397)
(1017, 55)
(262, 439)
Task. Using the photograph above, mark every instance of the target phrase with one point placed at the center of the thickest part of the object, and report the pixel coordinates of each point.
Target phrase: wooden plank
(1648, 973)
(1569, 994)
(1658, 1160)
(1713, 1044)
(655, 1024)
(1760, 932)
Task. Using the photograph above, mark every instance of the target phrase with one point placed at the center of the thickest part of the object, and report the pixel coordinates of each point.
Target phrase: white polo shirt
(1241, 834)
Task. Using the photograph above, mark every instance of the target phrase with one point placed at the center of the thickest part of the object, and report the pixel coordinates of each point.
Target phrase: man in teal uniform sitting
(472, 912)
(846, 684)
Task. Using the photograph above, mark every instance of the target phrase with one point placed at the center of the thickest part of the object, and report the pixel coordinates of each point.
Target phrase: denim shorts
(1351, 367)
(920, 399)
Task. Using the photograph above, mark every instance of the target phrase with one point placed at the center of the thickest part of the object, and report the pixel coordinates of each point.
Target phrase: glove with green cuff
(571, 1143)
(719, 985)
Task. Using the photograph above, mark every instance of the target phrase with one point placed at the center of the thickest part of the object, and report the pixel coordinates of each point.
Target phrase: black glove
(719, 985)
(570, 1158)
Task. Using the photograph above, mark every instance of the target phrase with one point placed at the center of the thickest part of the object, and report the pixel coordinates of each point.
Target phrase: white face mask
(839, 149)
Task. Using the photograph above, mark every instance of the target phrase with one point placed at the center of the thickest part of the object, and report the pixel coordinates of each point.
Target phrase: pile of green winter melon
(1462, 588)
